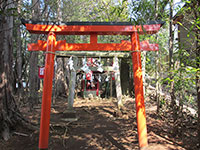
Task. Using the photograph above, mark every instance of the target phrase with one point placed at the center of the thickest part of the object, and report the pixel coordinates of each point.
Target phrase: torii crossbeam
(93, 29)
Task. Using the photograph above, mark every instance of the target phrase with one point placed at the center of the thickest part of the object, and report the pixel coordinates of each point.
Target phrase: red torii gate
(93, 29)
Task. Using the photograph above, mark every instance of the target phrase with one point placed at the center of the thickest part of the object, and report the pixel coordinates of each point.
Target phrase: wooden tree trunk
(173, 104)
(19, 56)
(197, 34)
(157, 82)
(198, 84)
(59, 11)
(33, 75)
(157, 66)
(8, 107)
(60, 80)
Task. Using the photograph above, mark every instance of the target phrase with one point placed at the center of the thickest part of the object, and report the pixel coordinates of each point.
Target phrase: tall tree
(8, 107)
(33, 62)
(173, 104)
(19, 52)
(61, 67)
(197, 14)
(157, 65)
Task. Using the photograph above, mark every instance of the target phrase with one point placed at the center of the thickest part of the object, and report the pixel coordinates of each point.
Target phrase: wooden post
(118, 83)
(139, 96)
(72, 84)
(93, 38)
(47, 92)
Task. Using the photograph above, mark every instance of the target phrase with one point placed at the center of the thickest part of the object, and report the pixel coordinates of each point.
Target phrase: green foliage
(8, 11)
(184, 61)
(142, 11)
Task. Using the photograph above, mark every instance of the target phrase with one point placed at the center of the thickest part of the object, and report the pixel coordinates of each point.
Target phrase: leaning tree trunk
(8, 107)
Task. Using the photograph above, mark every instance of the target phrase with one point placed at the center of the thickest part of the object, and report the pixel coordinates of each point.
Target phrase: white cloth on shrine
(85, 68)
(99, 65)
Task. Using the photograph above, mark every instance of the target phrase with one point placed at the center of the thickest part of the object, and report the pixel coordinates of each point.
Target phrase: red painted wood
(139, 95)
(93, 38)
(63, 46)
(47, 92)
(146, 46)
(88, 29)
(39, 46)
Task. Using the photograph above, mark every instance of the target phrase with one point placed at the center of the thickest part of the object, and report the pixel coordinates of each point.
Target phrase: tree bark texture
(157, 66)
(61, 68)
(19, 55)
(173, 104)
(198, 85)
(60, 77)
(8, 107)
(197, 35)
(33, 62)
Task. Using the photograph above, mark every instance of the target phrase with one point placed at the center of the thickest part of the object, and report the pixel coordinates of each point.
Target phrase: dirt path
(100, 126)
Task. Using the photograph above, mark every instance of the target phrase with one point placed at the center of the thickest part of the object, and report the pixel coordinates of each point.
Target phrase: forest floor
(100, 126)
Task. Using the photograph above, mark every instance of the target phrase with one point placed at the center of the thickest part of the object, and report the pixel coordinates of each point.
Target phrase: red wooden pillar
(139, 96)
(47, 92)
(93, 38)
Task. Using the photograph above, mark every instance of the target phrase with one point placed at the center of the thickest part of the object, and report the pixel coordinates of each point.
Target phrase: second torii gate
(93, 29)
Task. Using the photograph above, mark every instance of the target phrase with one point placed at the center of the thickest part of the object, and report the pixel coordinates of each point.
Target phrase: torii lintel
(63, 46)
(88, 28)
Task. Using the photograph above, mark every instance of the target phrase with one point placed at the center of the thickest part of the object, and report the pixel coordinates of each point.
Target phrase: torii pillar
(93, 29)
(47, 91)
(139, 94)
